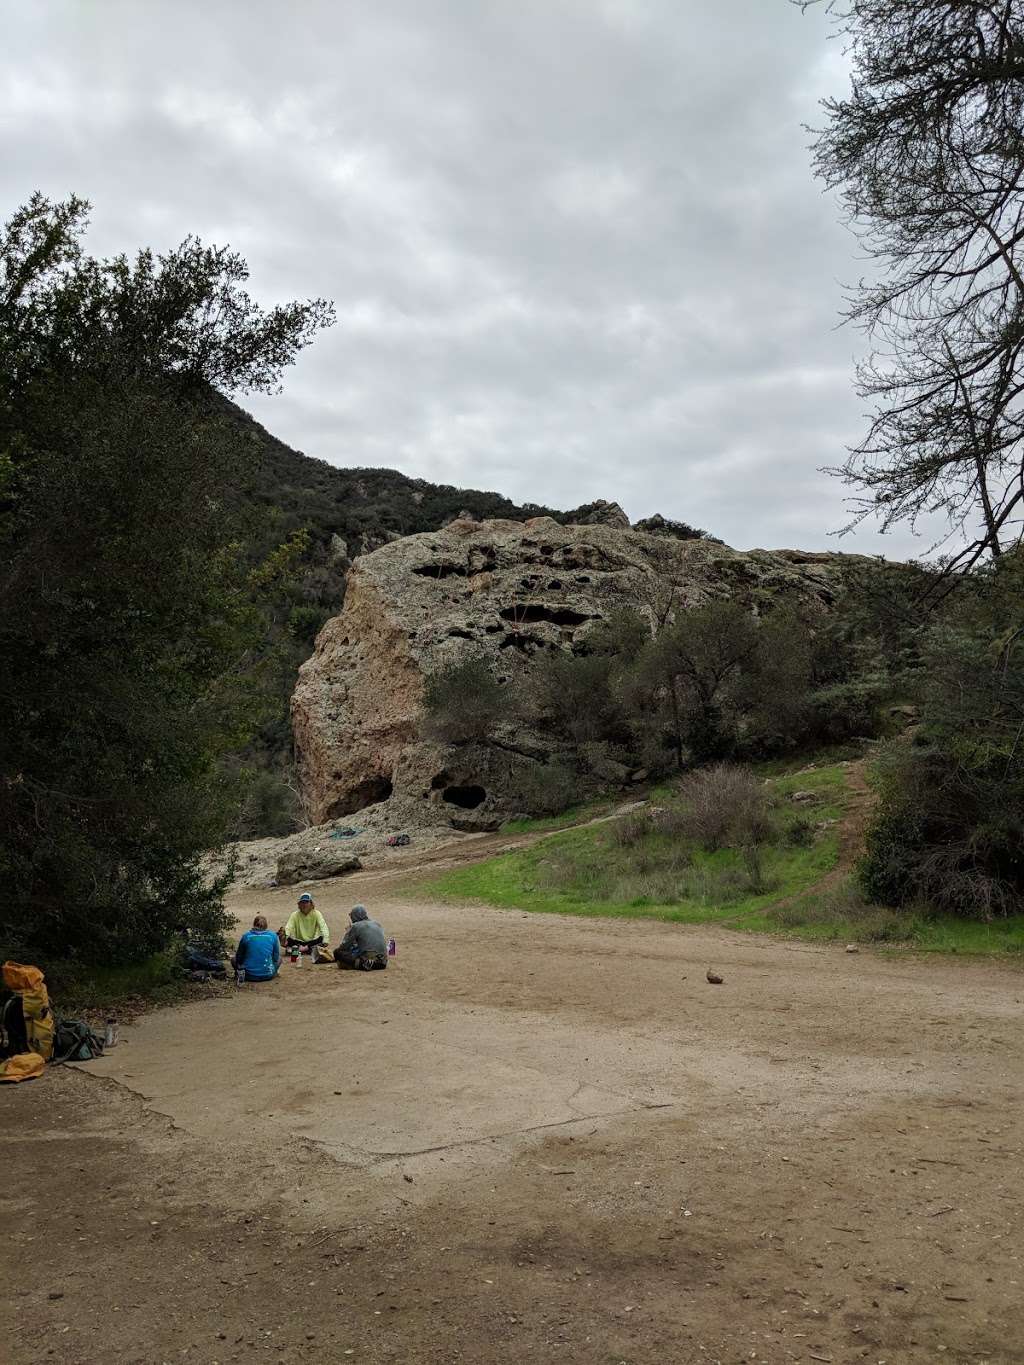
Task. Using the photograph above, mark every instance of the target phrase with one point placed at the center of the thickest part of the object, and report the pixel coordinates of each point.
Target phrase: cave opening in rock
(468, 798)
(530, 612)
(365, 793)
(442, 569)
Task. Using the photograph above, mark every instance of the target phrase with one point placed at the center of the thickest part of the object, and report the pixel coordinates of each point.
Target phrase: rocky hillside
(348, 513)
(504, 589)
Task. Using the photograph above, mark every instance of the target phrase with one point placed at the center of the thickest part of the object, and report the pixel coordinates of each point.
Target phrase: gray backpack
(75, 1041)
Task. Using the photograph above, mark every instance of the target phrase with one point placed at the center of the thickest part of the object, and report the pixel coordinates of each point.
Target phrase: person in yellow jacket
(306, 928)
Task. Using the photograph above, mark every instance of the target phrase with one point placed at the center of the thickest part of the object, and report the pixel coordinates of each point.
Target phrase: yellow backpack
(28, 983)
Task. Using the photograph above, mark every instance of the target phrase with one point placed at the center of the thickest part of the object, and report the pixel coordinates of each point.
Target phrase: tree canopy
(132, 622)
(927, 154)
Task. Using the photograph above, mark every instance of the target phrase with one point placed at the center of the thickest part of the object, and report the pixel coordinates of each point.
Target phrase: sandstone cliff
(507, 589)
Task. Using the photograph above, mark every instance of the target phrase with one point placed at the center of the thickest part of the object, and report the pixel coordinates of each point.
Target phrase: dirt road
(533, 1139)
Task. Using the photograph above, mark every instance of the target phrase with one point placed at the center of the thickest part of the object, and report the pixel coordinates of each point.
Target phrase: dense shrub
(950, 836)
(463, 701)
(270, 805)
(548, 788)
(949, 826)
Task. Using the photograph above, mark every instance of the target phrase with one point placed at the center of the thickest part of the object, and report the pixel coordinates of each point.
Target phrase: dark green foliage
(305, 622)
(132, 620)
(463, 701)
(363, 508)
(674, 530)
(949, 827)
(572, 697)
(269, 805)
(549, 788)
(726, 680)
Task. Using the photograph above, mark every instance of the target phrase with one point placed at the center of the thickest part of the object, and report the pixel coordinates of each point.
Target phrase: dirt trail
(533, 1139)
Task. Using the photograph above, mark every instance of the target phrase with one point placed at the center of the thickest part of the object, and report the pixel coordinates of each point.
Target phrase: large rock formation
(507, 589)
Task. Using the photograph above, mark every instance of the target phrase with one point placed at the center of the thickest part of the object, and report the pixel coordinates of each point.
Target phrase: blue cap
(306, 897)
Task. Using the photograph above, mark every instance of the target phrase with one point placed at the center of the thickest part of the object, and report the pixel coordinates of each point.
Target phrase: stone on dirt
(714, 979)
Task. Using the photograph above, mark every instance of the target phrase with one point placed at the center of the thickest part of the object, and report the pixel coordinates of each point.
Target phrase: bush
(722, 805)
(800, 832)
(270, 808)
(548, 789)
(463, 701)
(950, 836)
(304, 623)
(631, 829)
(571, 697)
(847, 710)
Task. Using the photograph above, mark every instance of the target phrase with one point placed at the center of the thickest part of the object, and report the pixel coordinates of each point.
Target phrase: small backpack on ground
(397, 840)
(198, 961)
(75, 1041)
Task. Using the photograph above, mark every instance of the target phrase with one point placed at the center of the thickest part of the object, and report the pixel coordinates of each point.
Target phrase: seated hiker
(364, 945)
(306, 928)
(258, 952)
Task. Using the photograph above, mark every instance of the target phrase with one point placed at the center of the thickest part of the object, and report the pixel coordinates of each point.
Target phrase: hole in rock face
(441, 780)
(536, 611)
(554, 585)
(442, 569)
(482, 559)
(516, 641)
(365, 793)
(468, 798)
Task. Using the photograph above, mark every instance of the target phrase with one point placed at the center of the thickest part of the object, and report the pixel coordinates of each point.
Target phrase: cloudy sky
(575, 245)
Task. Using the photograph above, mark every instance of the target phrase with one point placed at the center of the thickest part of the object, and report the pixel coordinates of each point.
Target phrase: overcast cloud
(575, 245)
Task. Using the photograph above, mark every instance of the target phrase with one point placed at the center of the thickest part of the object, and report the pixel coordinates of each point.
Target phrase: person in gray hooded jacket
(364, 945)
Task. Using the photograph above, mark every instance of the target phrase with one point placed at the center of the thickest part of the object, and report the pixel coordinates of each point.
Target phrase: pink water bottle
(392, 950)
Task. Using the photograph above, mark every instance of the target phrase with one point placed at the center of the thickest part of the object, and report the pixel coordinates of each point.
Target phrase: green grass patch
(639, 867)
(88, 990)
(790, 765)
(842, 915)
(575, 815)
(660, 875)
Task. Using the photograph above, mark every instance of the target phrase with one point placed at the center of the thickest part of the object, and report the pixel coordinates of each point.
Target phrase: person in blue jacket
(259, 952)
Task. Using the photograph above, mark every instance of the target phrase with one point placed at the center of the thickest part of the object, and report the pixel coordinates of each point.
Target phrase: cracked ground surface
(533, 1139)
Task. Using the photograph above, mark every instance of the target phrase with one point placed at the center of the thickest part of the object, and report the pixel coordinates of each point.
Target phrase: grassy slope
(520, 880)
(585, 872)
